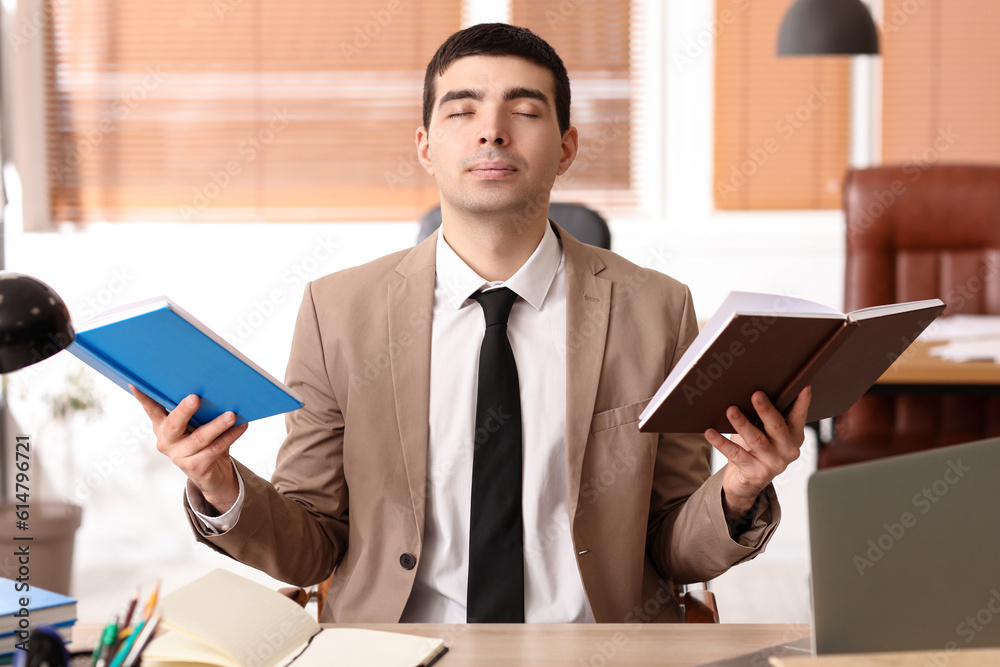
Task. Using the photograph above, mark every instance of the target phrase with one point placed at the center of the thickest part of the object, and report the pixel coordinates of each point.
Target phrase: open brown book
(780, 344)
(224, 619)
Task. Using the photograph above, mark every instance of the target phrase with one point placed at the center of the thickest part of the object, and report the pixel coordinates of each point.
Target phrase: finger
(205, 435)
(176, 423)
(757, 443)
(153, 409)
(733, 452)
(207, 455)
(800, 409)
(780, 435)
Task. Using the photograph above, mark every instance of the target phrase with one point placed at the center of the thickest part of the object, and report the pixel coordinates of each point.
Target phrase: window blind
(597, 42)
(781, 124)
(260, 110)
(941, 82)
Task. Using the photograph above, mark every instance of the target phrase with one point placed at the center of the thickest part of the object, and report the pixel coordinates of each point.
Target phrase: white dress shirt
(553, 588)
(537, 332)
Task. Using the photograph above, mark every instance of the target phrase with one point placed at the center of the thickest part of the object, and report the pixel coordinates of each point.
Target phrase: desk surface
(916, 366)
(579, 645)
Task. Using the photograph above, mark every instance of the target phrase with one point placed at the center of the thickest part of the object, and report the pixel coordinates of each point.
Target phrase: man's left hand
(756, 457)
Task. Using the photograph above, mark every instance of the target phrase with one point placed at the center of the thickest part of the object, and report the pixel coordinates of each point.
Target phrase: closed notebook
(167, 353)
(224, 619)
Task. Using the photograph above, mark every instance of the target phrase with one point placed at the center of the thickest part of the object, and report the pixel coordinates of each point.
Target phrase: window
(781, 124)
(301, 110)
(941, 82)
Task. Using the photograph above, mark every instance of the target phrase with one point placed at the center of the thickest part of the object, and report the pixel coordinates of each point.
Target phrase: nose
(494, 132)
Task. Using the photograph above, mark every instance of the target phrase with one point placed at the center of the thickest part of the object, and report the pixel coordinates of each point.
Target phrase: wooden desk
(916, 371)
(579, 645)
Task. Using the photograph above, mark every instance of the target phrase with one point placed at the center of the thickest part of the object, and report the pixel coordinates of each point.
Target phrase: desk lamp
(827, 28)
(34, 325)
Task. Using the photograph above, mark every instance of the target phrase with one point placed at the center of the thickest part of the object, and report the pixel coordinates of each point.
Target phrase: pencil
(151, 603)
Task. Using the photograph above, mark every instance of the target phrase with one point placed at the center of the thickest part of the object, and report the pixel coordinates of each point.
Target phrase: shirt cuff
(219, 524)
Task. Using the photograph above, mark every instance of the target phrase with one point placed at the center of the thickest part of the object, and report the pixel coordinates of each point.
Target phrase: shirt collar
(457, 281)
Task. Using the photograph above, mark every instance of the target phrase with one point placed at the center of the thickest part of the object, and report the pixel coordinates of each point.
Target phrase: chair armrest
(700, 607)
(298, 595)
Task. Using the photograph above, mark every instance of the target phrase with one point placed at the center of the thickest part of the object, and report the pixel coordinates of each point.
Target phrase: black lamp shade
(34, 322)
(827, 27)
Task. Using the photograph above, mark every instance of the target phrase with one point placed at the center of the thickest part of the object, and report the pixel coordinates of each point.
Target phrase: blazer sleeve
(688, 538)
(295, 527)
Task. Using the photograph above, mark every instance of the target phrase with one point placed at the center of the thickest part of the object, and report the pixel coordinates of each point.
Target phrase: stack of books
(24, 607)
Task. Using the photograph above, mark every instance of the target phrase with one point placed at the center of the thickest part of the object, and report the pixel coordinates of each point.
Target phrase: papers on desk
(961, 327)
(965, 338)
(969, 350)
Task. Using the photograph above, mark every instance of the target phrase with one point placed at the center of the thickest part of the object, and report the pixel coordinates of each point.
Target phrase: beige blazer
(350, 484)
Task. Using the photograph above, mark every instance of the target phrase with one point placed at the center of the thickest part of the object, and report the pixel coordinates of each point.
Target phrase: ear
(424, 150)
(570, 146)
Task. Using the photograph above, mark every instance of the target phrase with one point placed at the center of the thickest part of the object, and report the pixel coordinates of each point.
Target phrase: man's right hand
(202, 454)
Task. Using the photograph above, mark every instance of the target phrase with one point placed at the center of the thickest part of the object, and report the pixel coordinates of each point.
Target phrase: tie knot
(496, 304)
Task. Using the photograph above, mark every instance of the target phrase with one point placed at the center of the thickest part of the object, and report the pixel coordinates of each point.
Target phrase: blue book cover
(43, 607)
(168, 354)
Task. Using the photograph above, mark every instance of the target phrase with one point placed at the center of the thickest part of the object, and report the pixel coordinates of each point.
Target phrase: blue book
(167, 354)
(43, 608)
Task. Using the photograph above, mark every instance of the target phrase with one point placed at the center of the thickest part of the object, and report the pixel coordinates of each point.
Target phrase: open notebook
(227, 620)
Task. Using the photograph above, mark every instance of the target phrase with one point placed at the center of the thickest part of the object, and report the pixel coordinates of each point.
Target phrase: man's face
(494, 144)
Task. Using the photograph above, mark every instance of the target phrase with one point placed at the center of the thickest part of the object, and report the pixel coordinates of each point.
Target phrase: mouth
(493, 169)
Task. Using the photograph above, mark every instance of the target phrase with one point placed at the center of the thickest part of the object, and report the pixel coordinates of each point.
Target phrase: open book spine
(783, 401)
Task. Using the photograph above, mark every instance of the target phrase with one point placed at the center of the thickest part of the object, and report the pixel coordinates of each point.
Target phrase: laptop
(905, 556)
(906, 552)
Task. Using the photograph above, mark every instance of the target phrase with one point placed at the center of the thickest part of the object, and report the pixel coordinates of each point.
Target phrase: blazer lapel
(410, 308)
(588, 305)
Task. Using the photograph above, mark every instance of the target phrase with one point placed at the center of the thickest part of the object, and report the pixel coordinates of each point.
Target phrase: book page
(757, 303)
(240, 618)
(176, 648)
(346, 647)
(123, 312)
(892, 309)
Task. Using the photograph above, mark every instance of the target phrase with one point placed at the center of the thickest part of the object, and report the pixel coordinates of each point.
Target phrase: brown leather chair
(919, 233)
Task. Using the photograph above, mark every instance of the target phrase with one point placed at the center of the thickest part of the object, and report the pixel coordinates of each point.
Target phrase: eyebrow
(509, 95)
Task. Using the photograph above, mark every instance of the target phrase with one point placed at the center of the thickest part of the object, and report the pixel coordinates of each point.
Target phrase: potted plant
(38, 508)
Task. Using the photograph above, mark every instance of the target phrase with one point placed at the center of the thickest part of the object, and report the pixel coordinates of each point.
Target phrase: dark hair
(498, 39)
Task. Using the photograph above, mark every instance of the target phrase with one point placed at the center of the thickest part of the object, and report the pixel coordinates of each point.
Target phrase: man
(377, 480)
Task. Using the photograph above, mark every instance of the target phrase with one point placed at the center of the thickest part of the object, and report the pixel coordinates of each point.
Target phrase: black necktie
(496, 528)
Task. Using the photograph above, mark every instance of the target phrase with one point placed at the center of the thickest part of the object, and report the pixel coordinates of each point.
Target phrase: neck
(494, 249)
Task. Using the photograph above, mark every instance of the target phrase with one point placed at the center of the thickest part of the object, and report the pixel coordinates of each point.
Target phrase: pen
(106, 643)
(126, 646)
(140, 644)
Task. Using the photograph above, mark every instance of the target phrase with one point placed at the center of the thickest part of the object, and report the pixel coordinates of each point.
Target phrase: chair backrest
(915, 234)
(918, 233)
(585, 224)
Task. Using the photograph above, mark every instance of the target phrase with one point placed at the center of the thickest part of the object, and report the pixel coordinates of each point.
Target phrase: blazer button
(407, 561)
